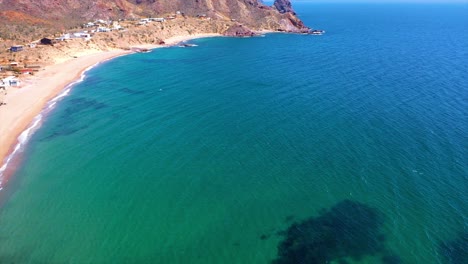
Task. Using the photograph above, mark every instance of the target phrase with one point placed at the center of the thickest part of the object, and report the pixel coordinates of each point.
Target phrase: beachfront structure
(16, 48)
(11, 81)
(27, 71)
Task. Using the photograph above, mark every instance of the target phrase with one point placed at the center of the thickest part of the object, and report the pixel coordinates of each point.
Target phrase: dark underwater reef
(348, 230)
(455, 251)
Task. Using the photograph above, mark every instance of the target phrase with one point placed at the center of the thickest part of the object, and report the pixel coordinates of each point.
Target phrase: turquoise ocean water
(349, 147)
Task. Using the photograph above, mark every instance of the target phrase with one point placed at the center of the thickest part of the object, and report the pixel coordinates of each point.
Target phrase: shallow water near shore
(210, 154)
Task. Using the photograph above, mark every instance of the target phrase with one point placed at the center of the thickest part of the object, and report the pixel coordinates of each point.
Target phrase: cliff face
(283, 6)
(62, 14)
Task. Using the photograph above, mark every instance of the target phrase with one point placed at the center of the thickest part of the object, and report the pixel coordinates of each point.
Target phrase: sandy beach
(23, 104)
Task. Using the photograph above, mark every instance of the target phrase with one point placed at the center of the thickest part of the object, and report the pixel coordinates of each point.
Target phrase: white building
(158, 19)
(81, 35)
(116, 26)
(64, 37)
(103, 29)
(11, 81)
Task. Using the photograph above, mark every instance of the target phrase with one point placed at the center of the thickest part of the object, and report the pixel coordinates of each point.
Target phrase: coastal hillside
(23, 17)
(73, 28)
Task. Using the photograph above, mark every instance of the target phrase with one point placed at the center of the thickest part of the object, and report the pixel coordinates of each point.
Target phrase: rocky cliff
(283, 6)
(62, 14)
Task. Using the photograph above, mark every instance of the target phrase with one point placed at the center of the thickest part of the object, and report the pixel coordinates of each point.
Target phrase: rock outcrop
(239, 30)
(284, 6)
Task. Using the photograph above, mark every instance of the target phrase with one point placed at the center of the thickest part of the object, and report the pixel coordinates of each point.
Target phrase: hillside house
(16, 48)
(116, 26)
(47, 41)
(103, 29)
(81, 35)
(64, 37)
(158, 19)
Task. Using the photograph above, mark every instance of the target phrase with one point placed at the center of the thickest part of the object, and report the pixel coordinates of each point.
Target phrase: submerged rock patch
(455, 251)
(348, 230)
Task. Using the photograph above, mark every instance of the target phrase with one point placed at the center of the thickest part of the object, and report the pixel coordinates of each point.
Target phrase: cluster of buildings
(103, 26)
(78, 35)
(5, 83)
(94, 27)
(18, 48)
(145, 21)
(10, 81)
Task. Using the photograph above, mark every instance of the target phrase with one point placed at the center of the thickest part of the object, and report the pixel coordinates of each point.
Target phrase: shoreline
(25, 105)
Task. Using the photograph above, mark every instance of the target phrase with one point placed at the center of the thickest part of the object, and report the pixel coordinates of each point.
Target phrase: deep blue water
(352, 146)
